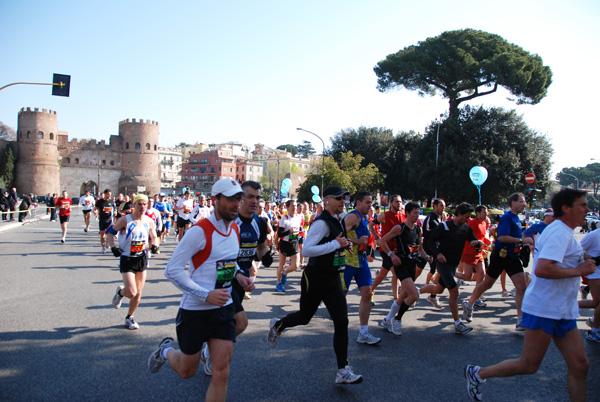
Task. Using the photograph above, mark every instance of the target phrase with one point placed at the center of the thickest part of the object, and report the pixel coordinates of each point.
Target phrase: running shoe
(272, 336)
(459, 282)
(479, 303)
(434, 301)
(506, 293)
(473, 382)
(397, 327)
(346, 376)
(467, 311)
(205, 359)
(280, 287)
(283, 279)
(103, 250)
(386, 324)
(593, 336)
(247, 296)
(584, 290)
(519, 327)
(462, 329)
(62, 240)
(116, 301)
(368, 339)
(483, 298)
(130, 323)
(372, 298)
(156, 359)
(85, 230)
(589, 322)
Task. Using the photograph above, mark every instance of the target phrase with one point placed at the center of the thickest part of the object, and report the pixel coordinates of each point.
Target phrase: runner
(206, 310)
(104, 211)
(87, 205)
(429, 224)
(200, 211)
(325, 246)
(388, 220)
(136, 233)
(155, 215)
(357, 266)
(591, 246)
(63, 204)
(505, 257)
(166, 213)
(290, 226)
(184, 208)
(407, 255)
(550, 304)
(447, 243)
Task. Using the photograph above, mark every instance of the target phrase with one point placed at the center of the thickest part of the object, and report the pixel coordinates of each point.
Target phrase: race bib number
(107, 209)
(225, 273)
(339, 259)
(186, 210)
(137, 247)
(293, 236)
(413, 248)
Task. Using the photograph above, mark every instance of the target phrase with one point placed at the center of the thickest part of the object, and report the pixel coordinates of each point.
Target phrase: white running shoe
(462, 329)
(117, 298)
(130, 323)
(346, 376)
(519, 327)
(272, 335)
(103, 250)
(386, 324)
(473, 383)
(434, 302)
(397, 327)
(368, 339)
(467, 311)
(156, 359)
(205, 359)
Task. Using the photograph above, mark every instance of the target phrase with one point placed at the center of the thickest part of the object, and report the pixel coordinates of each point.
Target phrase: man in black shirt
(447, 243)
(105, 211)
(429, 224)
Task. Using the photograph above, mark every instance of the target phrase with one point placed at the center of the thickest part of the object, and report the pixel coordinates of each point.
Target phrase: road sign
(530, 178)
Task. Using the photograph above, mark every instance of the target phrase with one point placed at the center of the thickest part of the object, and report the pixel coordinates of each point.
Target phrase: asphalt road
(60, 338)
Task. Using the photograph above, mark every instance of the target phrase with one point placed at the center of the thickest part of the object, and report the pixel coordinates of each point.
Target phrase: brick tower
(139, 163)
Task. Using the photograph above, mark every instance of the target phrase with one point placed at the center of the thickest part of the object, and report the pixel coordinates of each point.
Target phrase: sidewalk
(40, 215)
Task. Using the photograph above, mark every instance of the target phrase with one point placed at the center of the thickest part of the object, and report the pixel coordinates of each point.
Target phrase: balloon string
(479, 190)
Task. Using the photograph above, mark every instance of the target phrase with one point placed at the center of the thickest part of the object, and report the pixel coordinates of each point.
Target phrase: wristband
(390, 253)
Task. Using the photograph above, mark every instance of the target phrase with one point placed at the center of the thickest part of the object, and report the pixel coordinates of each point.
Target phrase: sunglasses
(338, 198)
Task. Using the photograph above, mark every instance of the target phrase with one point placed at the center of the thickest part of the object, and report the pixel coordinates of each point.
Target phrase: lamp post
(277, 156)
(384, 177)
(437, 152)
(568, 174)
(323, 169)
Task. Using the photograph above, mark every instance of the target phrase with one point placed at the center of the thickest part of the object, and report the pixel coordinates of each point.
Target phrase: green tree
(269, 178)
(495, 138)
(289, 148)
(584, 177)
(306, 149)
(7, 166)
(351, 174)
(464, 65)
(7, 133)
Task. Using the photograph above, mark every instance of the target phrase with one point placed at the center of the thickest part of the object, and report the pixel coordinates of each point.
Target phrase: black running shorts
(194, 327)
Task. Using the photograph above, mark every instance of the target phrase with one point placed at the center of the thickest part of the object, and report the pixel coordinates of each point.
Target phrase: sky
(254, 71)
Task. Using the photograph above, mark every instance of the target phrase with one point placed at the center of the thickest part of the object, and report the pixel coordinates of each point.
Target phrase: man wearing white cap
(137, 233)
(206, 310)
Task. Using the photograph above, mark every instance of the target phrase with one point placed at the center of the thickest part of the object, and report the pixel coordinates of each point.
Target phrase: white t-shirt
(87, 202)
(591, 245)
(187, 205)
(291, 224)
(555, 298)
(199, 213)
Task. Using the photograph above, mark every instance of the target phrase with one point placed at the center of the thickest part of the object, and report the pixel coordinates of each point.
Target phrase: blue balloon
(315, 190)
(478, 175)
(316, 198)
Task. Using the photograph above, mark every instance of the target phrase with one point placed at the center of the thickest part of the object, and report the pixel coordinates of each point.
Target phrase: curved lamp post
(323, 169)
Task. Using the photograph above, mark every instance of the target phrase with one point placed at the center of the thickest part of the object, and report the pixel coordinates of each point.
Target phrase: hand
(116, 251)
(441, 258)
(395, 259)
(342, 241)
(246, 283)
(350, 247)
(527, 240)
(587, 267)
(363, 240)
(218, 297)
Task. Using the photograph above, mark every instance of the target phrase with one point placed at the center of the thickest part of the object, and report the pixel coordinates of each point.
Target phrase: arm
(392, 234)
(379, 220)
(351, 222)
(317, 231)
(433, 239)
(548, 269)
(118, 226)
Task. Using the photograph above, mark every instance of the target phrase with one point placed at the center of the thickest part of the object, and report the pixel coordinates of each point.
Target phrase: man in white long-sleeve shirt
(206, 310)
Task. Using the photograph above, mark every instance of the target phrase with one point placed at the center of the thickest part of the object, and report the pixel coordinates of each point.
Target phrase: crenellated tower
(139, 161)
(37, 169)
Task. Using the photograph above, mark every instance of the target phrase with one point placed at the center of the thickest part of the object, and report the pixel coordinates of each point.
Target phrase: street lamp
(323, 169)
(384, 177)
(437, 151)
(568, 174)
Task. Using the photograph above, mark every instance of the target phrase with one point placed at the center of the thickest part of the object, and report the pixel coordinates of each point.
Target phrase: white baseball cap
(227, 187)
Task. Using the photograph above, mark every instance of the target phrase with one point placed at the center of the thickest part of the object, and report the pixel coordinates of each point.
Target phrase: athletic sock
(403, 308)
(457, 322)
(393, 311)
(364, 329)
(164, 352)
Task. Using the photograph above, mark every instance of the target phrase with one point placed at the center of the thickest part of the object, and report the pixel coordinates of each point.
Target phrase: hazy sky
(253, 71)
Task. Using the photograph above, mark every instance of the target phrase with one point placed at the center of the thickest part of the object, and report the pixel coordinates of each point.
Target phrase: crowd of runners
(224, 238)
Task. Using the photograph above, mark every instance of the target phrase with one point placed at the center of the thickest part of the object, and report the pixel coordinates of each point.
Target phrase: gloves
(267, 259)
(116, 251)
